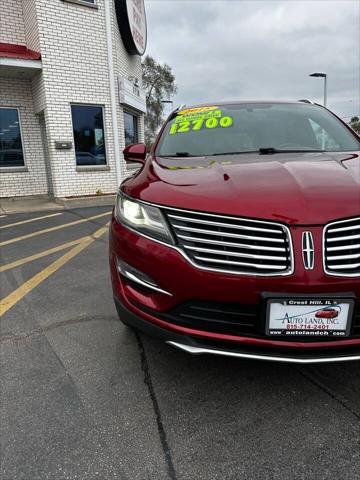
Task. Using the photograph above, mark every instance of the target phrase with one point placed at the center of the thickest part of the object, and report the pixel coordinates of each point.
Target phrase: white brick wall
(74, 56)
(30, 24)
(11, 22)
(17, 93)
(72, 42)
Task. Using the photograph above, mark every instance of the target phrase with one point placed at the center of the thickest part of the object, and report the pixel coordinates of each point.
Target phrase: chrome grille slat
(227, 234)
(342, 239)
(243, 264)
(227, 225)
(235, 254)
(232, 245)
(333, 258)
(343, 229)
(341, 252)
(345, 266)
(342, 247)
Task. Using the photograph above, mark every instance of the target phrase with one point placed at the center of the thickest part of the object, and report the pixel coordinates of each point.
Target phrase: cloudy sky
(234, 49)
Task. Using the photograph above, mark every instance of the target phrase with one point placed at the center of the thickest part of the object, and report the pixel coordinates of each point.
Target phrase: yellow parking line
(9, 301)
(52, 229)
(22, 261)
(29, 220)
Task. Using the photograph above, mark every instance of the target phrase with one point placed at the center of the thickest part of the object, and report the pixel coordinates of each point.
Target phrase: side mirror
(135, 153)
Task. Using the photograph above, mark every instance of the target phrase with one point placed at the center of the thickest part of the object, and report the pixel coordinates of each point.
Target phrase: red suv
(242, 224)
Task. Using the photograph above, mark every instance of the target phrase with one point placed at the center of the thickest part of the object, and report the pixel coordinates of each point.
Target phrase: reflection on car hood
(296, 188)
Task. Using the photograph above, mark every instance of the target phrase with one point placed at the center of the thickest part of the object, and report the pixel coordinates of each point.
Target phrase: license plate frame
(335, 328)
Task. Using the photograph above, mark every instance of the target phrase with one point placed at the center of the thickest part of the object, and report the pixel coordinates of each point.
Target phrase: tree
(355, 124)
(159, 84)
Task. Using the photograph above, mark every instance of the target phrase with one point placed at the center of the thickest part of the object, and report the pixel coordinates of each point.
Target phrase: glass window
(90, 3)
(131, 128)
(324, 139)
(89, 138)
(227, 129)
(11, 150)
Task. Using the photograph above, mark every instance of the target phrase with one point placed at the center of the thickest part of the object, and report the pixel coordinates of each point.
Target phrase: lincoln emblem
(308, 250)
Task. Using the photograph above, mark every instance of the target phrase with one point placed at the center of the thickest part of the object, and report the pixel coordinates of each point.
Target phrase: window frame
(17, 168)
(106, 165)
(84, 3)
(137, 116)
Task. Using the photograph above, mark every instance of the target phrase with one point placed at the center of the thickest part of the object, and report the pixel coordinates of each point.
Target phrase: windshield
(227, 129)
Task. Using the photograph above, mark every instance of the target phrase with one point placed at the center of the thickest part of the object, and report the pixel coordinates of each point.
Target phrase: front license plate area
(309, 317)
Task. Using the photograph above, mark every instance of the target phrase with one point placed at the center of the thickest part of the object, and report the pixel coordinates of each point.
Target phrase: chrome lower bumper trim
(133, 274)
(255, 356)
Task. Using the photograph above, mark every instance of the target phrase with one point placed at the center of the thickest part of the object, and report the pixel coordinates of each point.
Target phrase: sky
(234, 49)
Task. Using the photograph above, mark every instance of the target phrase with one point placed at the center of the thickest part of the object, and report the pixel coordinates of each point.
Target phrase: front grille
(231, 244)
(342, 248)
(356, 328)
(230, 318)
(234, 319)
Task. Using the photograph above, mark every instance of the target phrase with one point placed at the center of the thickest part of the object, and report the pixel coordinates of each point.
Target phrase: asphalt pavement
(84, 397)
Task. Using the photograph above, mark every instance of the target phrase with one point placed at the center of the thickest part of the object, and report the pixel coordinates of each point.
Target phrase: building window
(90, 3)
(131, 128)
(89, 137)
(11, 150)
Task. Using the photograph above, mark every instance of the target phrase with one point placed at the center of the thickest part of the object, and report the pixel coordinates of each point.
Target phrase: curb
(13, 205)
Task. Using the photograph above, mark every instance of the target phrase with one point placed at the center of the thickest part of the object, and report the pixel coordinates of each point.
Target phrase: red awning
(9, 50)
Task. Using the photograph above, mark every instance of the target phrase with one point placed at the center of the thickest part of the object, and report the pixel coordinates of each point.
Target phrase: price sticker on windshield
(197, 120)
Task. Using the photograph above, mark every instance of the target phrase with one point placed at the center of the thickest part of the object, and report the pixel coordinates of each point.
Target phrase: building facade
(70, 94)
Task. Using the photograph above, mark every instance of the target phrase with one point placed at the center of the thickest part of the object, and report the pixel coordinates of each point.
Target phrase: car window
(241, 128)
(324, 139)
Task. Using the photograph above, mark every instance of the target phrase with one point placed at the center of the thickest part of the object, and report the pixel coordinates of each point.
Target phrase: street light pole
(324, 76)
(325, 90)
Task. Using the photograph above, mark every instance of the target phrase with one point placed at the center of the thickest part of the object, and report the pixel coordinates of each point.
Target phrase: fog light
(136, 276)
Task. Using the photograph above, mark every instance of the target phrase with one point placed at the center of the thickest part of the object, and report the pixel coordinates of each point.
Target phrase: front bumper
(197, 346)
(148, 311)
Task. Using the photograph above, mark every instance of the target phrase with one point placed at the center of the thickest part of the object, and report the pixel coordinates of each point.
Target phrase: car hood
(296, 188)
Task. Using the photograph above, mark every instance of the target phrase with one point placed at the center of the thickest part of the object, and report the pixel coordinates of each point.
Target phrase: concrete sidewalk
(39, 204)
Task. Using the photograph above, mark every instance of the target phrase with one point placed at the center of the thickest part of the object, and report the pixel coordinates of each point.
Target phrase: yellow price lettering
(226, 122)
(199, 123)
(211, 122)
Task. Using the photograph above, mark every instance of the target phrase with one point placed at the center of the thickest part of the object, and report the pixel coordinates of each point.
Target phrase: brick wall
(75, 69)
(72, 42)
(17, 93)
(30, 24)
(12, 22)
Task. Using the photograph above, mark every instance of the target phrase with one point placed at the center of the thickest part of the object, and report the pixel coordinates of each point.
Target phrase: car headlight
(143, 218)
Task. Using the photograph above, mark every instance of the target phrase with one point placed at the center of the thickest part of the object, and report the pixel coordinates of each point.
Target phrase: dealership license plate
(310, 317)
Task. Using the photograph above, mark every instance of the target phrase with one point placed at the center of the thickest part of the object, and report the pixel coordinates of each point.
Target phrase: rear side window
(244, 128)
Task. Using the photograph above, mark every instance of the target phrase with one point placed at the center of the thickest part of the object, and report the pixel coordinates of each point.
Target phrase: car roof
(247, 102)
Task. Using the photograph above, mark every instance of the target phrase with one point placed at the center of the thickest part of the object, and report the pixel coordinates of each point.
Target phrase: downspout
(112, 90)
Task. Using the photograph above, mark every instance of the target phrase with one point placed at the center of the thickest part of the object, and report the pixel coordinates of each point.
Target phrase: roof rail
(304, 100)
(180, 107)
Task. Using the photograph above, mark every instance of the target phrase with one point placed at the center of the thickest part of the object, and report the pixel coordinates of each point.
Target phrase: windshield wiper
(181, 154)
(272, 150)
(261, 151)
(234, 153)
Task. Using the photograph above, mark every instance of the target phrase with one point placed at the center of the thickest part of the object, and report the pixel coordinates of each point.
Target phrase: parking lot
(83, 397)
